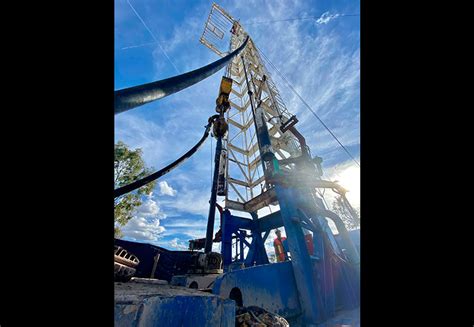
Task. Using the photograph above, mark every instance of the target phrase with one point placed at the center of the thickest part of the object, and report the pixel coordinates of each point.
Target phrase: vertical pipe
(226, 249)
(237, 248)
(241, 245)
(212, 201)
(253, 114)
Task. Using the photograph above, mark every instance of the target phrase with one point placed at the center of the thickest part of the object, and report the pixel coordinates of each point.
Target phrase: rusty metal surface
(169, 264)
(125, 258)
(263, 199)
(148, 281)
(122, 272)
(126, 292)
(255, 316)
(124, 264)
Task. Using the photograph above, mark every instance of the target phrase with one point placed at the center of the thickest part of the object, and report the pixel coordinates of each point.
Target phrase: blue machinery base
(309, 290)
(314, 287)
(148, 305)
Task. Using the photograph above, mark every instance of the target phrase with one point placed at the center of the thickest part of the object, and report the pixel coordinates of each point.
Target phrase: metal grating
(216, 34)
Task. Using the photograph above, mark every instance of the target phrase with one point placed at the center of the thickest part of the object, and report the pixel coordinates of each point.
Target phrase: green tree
(128, 167)
(340, 209)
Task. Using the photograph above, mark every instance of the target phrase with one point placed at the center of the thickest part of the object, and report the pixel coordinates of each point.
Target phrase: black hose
(129, 98)
(145, 180)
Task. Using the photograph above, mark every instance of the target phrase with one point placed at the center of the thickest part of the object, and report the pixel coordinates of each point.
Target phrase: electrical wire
(297, 18)
(153, 36)
(138, 46)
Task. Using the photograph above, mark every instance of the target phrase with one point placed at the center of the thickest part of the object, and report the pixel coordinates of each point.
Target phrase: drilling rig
(269, 163)
(262, 160)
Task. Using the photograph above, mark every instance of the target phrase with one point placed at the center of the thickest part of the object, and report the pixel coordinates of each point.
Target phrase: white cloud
(322, 64)
(145, 225)
(166, 189)
(174, 243)
(149, 208)
(329, 84)
(140, 228)
(326, 18)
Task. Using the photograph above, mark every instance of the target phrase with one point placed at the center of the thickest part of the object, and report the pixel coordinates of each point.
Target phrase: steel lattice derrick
(245, 173)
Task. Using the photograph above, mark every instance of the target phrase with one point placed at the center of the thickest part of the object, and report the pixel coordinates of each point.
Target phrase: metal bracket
(288, 124)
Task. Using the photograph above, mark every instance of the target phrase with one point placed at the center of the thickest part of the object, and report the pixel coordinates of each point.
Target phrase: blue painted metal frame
(311, 297)
(270, 286)
(324, 281)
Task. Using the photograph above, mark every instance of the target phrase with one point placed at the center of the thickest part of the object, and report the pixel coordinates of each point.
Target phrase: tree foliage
(128, 167)
(340, 209)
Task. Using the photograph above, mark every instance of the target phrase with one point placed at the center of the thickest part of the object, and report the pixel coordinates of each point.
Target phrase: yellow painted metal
(224, 91)
(226, 85)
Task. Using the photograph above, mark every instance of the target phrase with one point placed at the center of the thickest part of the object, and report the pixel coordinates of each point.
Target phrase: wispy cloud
(320, 58)
(332, 76)
(321, 62)
(194, 201)
(186, 223)
(176, 244)
(326, 18)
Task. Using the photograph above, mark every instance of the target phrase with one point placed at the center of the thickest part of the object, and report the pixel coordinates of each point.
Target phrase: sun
(349, 178)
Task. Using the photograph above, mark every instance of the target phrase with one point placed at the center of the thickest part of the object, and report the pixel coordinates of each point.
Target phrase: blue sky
(320, 58)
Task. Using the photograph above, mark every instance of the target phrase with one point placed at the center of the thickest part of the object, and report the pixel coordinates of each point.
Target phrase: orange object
(279, 250)
(309, 243)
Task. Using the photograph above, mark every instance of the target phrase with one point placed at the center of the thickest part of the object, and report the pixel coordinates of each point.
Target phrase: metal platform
(344, 319)
(147, 305)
